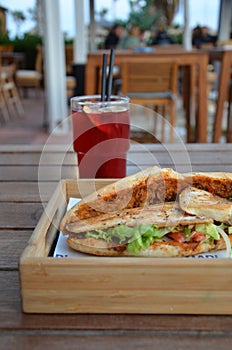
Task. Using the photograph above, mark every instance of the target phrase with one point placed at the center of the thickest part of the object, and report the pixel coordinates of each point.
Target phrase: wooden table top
(21, 208)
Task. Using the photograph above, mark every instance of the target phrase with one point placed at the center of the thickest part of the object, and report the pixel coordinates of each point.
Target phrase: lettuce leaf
(140, 237)
(208, 229)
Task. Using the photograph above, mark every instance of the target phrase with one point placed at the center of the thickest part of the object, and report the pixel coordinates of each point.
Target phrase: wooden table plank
(53, 149)
(140, 156)
(114, 341)
(35, 158)
(55, 174)
(31, 173)
(27, 191)
(20, 216)
(12, 244)
(165, 152)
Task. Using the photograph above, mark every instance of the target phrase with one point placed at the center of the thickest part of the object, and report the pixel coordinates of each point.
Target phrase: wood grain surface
(21, 207)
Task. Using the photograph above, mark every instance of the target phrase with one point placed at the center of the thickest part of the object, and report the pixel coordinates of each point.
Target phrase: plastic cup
(101, 135)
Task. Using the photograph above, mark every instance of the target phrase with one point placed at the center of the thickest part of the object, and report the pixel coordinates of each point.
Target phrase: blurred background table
(21, 206)
(194, 83)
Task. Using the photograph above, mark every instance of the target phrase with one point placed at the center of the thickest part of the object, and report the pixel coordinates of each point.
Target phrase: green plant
(27, 45)
(147, 13)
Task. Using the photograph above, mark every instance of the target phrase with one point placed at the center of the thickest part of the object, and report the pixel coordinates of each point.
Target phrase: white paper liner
(62, 249)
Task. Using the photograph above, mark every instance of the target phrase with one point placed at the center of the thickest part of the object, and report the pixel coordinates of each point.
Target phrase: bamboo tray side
(115, 285)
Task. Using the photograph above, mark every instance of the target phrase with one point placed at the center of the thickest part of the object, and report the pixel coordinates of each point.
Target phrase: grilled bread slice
(153, 185)
(202, 203)
(217, 183)
(160, 215)
(149, 186)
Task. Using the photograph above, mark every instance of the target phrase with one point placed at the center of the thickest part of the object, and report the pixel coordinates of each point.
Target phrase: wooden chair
(152, 84)
(70, 85)
(229, 115)
(224, 95)
(69, 58)
(116, 81)
(9, 93)
(31, 78)
(70, 79)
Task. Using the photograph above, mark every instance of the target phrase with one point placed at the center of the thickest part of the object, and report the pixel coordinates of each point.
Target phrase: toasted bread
(202, 203)
(153, 185)
(160, 215)
(149, 186)
(217, 183)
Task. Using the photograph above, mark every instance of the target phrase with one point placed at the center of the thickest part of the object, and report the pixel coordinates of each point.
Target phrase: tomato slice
(197, 236)
(178, 236)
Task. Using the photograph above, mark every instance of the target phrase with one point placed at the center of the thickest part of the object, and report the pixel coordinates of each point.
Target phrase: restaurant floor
(30, 129)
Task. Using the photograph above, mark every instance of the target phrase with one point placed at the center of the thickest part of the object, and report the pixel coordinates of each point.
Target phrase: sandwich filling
(139, 238)
(138, 229)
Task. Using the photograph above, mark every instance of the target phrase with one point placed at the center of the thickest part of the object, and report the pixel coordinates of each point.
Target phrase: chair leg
(38, 90)
(12, 99)
(172, 121)
(3, 107)
(156, 110)
(7, 99)
(163, 108)
(17, 101)
(229, 118)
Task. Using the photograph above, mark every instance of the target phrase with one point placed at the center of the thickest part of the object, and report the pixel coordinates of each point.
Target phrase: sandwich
(147, 187)
(202, 203)
(150, 186)
(156, 219)
(159, 230)
(199, 202)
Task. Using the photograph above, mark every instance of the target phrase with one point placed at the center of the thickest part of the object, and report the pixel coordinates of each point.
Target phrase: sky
(203, 12)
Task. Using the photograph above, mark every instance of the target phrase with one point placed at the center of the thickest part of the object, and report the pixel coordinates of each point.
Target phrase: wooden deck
(30, 130)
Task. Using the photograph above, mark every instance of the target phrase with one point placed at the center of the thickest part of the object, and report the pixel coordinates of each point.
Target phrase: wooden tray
(116, 285)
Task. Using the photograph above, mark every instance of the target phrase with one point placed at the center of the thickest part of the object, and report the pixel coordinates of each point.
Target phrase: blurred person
(162, 37)
(113, 37)
(196, 37)
(132, 39)
(201, 35)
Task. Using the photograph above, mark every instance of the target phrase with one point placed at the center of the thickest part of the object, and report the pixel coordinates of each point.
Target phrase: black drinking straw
(110, 75)
(103, 81)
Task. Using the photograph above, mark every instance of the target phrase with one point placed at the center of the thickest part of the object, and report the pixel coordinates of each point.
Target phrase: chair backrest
(69, 56)
(149, 77)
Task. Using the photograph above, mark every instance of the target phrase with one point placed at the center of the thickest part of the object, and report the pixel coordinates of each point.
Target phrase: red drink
(101, 133)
